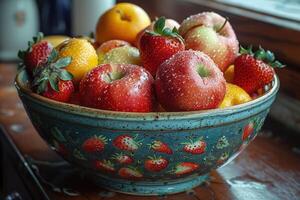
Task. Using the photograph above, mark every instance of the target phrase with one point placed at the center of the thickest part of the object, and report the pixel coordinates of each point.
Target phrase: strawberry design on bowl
(122, 158)
(105, 165)
(156, 164)
(161, 147)
(195, 147)
(130, 173)
(184, 168)
(94, 144)
(126, 142)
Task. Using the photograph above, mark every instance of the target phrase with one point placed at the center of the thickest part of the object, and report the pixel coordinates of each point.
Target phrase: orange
(234, 95)
(83, 54)
(123, 22)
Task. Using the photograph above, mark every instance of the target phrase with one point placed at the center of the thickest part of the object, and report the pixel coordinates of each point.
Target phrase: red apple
(118, 87)
(188, 81)
(212, 34)
(170, 23)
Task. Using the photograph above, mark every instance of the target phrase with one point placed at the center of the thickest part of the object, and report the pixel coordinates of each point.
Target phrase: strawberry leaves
(51, 73)
(160, 30)
(265, 55)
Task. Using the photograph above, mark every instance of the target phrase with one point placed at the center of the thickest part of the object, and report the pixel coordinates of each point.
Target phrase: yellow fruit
(83, 54)
(229, 73)
(55, 40)
(122, 55)
(123, 22)
(234, 95)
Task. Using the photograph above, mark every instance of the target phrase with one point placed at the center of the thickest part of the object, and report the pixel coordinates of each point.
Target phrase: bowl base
(142, 188)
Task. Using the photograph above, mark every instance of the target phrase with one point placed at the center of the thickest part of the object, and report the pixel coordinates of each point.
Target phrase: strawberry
(154, 164)
(66, 88)
(36, 54)
(247, 131)
(94, 144)
(52, 81)
(104, 165)
(195, 147)
(122, 158)
(126, 142)
(160, 147)
(159, 45)
(130, 173)
(253, 70)
(185, 168)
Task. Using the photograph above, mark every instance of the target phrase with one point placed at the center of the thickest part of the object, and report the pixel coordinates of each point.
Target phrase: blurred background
(273, 24)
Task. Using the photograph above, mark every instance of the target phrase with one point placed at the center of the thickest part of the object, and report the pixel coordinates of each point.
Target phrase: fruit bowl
(145, 153)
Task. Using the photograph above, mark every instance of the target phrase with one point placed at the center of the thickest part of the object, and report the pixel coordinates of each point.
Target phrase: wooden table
(269, 169)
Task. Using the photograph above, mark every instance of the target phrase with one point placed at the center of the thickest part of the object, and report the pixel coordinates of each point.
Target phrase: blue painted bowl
(145, 153)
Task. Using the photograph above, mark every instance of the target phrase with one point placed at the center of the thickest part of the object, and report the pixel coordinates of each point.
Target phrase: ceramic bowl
(117, 150)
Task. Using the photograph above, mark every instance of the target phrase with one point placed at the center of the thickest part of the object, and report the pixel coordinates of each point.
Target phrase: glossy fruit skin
(66, 89)
(229, 74)
(200, 32)
(122, 55)
(109, 45)
(38, 55)
(179, 87)
(156, 49)
(132, 93)
(251, 74)
(94, 144)
(123, 22)
(170, 23)
(156, 164)
(83, 54)
(234, 95)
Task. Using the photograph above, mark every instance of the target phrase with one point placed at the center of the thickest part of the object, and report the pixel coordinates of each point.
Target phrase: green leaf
(175, 30)
(40, 36)
(270, 56)
(65, 75)
(21, 54)
(53, 55)
(159, 25)
(167, 32)
(277, 64)
(54, 84)
(62, 62)
(42, 87)
(260, 54)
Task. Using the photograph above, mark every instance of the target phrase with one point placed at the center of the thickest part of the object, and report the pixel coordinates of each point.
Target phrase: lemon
(83, 54)
(234, 95)
(55, 40)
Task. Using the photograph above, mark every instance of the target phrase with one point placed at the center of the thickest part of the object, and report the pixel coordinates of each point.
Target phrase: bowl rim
(138, 116)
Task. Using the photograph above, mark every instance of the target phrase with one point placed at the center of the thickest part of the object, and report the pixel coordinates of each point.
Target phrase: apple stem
(223, 25)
